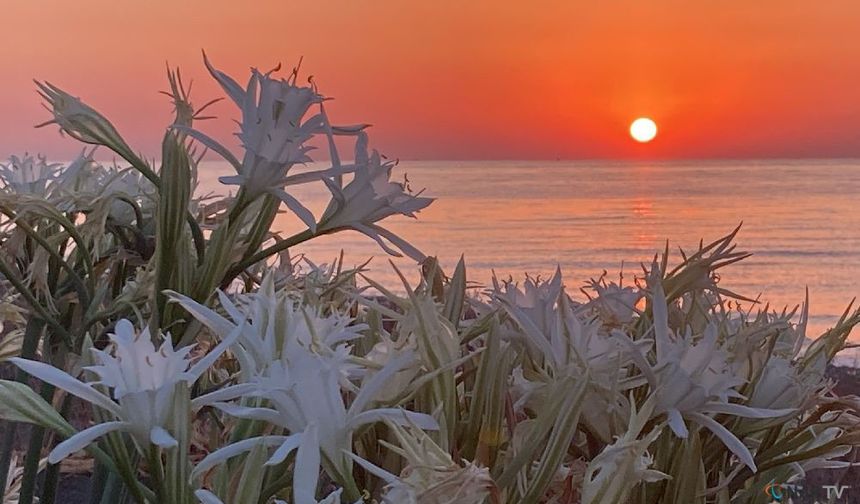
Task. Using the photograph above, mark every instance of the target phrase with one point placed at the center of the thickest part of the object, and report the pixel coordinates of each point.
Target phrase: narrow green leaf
(456, 294)
(559, 439)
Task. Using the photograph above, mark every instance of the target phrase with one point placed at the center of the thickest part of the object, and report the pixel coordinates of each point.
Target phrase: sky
(463, 80)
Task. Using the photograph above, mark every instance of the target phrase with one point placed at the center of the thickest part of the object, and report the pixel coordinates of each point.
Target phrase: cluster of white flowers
(276, 135)
(299, 362)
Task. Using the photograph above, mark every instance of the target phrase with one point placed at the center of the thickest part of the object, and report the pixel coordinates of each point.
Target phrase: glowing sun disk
(643, 130)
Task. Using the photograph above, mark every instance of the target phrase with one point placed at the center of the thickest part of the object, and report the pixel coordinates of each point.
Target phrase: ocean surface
(801, 220)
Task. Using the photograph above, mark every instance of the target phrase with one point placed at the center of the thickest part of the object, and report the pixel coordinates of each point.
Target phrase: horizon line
(530, 159)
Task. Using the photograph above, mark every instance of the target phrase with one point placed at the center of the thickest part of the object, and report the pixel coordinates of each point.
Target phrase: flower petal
(211, 144)
(203, 364)
(731, 441)
(233, 89)
(232, 450)
(372, 468)
(207, 497)
(209, 317)
(315, 175)
(63, 380)
(400, 243)
(224, 394)
(161, 438)
(375, 383)
(745, 411)
(83, 439)
(232, 180)
(396, 415)
(676, 422)
(306, 472)
(290, 443)
(660, 312)
(301, 212)
(371, 232)
(263, 414)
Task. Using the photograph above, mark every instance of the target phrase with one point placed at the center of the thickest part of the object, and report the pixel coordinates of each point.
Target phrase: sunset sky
(464, 80)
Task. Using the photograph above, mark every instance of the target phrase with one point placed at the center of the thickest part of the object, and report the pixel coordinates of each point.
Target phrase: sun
(643, 130)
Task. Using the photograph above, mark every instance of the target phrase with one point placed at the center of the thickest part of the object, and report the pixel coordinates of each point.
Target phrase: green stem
(262, 225)
(28, 351)
(266, 253)
(98, 483)
(156, 471)
(82, 249)
(34, 454)
(138, 214)
(31, 299)
(52, 472)
(142, 167)
(272, 487)
(83, 293)
(6, 451)
(112, 491)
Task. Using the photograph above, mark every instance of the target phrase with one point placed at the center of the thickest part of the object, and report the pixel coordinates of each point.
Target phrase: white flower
(305, 471)
(274, 133)
(79, 120)
(369, 198)
(567, 345)
(388, 349)
(142, 379)
(78, 184)
(780, 386)
(295, 358)
(28, 175)
(303, 389)
(430, 475)
(274, 325)
(533, 307)
(615, 304)
(623, 464)
(692, 379)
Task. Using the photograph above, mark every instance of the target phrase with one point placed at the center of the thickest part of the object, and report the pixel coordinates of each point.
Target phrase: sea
(799, 218)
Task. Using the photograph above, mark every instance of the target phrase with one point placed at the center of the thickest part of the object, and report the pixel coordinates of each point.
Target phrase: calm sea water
(800, 219)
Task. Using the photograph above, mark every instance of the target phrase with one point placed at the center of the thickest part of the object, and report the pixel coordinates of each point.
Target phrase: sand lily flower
(615, 304)
(692, 379)
(623, 464)
(80, 121)
(142, 379)
(430, 475)
(547, 319)
(370, 197)
(274, 326)
(79, 183)
(304, 389)
(306, 469)
(274, 133)
(533, 306)
(781, 386)
(28, 175)
(130, 185)
(567, 343)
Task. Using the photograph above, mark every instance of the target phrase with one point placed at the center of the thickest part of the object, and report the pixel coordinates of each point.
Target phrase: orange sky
(465, 80)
